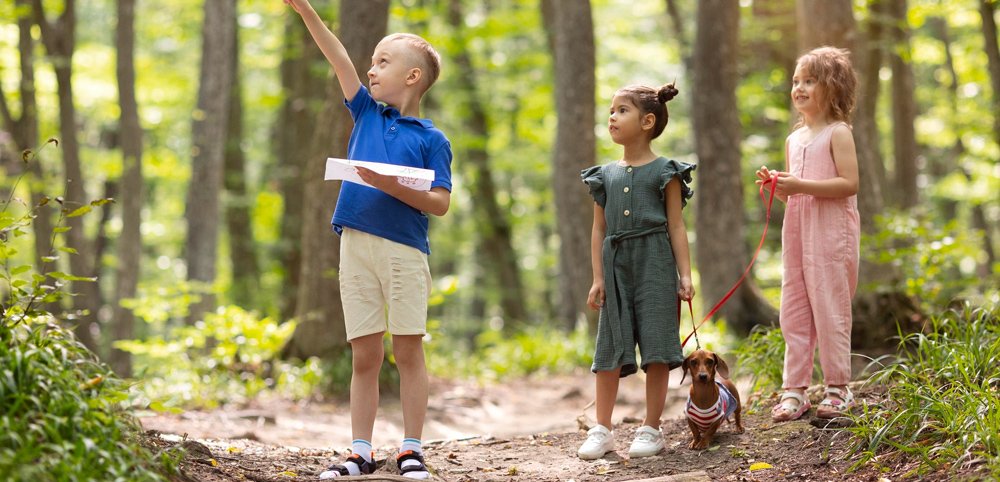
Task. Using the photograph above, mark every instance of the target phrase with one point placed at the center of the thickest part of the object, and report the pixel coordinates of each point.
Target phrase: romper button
(626, 189)
(630, 169)
(626, 212)
(392, 128)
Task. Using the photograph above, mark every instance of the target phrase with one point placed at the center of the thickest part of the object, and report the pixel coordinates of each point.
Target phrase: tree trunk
(321, 330)
(242, 247)
(677, 24)
(904, 108)
(303, 77)
(868, 61)
(496, 250)
(24, 130)
(208, 139)
(575, 149)
(59, 38)
(130, 240)
(986, 11)
(720, 212)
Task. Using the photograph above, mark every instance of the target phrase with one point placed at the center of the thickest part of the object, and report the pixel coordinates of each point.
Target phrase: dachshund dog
(709, 401)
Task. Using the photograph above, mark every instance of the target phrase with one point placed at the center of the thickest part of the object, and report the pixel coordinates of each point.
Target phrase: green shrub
(762, 354)
(936, 262)
(229, 357)
(498, 357)
(942, 405)
(62, 413)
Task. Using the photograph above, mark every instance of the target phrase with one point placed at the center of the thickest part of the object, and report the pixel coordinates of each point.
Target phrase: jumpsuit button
(626, 212)
(630, 169)
(626, 189)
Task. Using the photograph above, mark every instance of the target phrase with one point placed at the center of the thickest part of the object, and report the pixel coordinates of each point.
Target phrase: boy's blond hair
(424, 53)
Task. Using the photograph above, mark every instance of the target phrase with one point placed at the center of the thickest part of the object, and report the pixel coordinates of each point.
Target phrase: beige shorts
(384, 285)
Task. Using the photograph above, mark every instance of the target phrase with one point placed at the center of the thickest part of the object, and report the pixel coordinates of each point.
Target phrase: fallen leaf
(759, 466)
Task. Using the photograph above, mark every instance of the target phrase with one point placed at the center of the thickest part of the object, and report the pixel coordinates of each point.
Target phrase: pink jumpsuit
(820, 248)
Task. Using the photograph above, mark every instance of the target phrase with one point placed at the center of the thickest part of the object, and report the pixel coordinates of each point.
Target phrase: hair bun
(666, 93)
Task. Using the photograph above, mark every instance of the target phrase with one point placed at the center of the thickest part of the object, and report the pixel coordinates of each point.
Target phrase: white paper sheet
(411, 177)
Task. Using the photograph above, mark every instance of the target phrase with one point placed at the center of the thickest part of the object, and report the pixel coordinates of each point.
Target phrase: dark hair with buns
(651, 101)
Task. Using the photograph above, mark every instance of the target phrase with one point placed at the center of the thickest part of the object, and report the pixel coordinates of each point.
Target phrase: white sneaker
(600, 441)
(648, 441)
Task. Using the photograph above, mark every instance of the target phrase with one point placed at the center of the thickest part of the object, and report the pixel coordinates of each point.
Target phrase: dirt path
(524, 430)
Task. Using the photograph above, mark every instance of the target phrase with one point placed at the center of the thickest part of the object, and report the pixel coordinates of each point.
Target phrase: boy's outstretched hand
(297, 5)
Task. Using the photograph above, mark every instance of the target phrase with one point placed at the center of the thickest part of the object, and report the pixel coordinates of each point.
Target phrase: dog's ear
(685, 367)
(720, 366)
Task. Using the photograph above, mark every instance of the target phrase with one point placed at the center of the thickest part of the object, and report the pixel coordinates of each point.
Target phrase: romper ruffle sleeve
(594, 178)
(680, 170)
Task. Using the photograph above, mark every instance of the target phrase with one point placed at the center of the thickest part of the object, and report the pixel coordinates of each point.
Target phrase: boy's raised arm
(331, 47)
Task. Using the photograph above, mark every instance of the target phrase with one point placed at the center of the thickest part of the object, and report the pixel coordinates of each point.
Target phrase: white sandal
(795, 412)
(840, 405)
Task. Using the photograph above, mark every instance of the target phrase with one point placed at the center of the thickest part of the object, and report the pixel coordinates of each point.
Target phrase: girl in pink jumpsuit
(821, 233)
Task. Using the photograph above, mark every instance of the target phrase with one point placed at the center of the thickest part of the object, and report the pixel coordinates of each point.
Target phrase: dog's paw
(740, 428)
(699, 444)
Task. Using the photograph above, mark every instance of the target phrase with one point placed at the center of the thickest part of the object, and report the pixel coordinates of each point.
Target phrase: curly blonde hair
(832, 68)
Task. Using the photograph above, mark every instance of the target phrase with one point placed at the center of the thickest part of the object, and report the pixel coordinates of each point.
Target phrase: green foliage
(496, 357)
(62, 415)
(762, 354)
(61, 412)
(942, 407)
(229, 357)
(937, 262)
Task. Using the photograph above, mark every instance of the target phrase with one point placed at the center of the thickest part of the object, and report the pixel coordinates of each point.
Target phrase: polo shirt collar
(393, 113)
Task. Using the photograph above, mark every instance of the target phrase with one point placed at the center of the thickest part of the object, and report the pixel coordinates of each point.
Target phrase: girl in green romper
(641, 264)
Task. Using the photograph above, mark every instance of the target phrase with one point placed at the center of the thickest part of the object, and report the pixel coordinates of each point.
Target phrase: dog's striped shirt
(723, 408)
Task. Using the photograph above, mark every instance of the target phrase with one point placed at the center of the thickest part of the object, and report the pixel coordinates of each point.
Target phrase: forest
(165, 212)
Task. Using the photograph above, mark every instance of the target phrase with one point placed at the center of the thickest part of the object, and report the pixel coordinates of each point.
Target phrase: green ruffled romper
(640, 274)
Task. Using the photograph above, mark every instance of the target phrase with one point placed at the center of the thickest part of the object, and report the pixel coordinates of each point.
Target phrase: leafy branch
(25, 296)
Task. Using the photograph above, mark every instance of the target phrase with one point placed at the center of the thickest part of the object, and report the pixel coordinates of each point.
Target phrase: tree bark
(242, 247)
(59, 38)
(986, 12)
(303, 77)
(24, 131)
(575, 149)
(904, 108)
(720, 212)
(208, 135)
(872, 181)
(321, 330)
(496, 250)
(130, 240)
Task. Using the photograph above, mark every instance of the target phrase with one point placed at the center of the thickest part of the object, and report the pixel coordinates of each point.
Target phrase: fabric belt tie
(608, 252)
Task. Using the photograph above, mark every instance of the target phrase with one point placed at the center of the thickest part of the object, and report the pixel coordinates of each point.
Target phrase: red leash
(694, 332)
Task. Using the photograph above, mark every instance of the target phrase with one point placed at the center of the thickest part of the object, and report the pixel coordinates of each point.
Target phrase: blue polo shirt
(380, 134)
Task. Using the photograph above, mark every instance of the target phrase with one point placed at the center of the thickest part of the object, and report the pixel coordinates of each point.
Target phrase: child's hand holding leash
(685, 289)
(782, 183)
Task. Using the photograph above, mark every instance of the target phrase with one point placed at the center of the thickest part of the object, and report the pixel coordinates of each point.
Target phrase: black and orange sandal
(412, 471)
(338, 470)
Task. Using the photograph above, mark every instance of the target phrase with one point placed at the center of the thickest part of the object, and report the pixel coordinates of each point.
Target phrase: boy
(384, 246)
